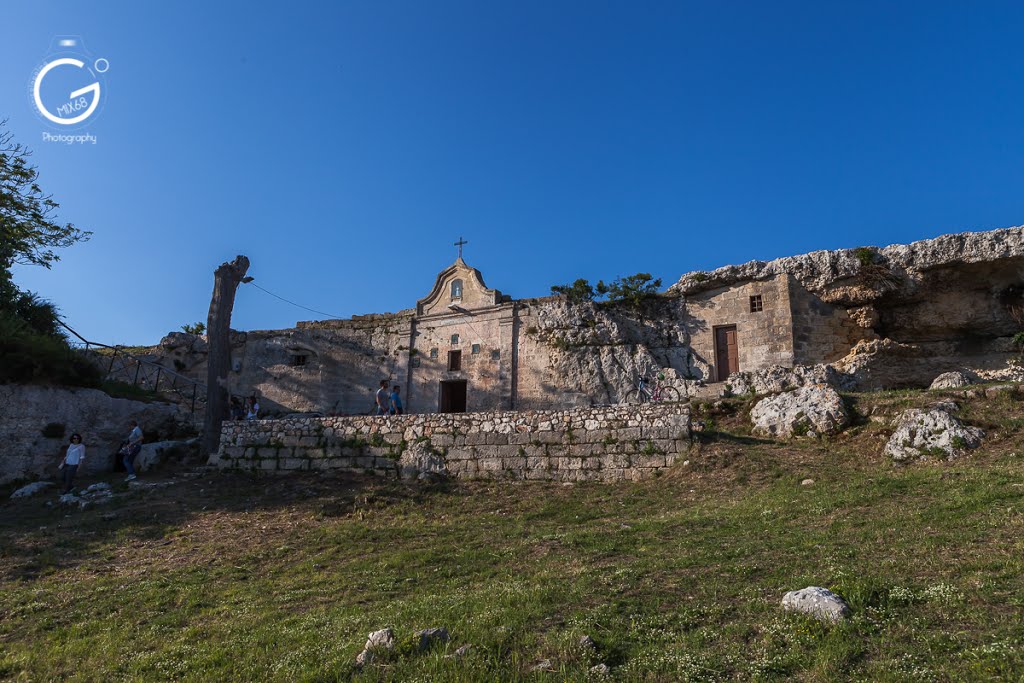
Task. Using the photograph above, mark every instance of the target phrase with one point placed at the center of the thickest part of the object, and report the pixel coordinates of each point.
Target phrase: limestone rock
(884, 364)
(950, 380)
(102, 421)
(776, 378)
(420, 461)
(808, 411)
(930, 432)
(543, 665)
(587, 643)
(364, 658)
(600, 670)
(817, 602)
(157, 452)
(807, 482)
(428, 637)
(383, 639)
(31, 489)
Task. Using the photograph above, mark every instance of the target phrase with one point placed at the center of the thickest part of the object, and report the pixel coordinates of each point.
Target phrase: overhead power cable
(288, 301)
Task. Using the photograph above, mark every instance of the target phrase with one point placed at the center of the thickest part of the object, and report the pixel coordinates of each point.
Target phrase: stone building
(950, 303)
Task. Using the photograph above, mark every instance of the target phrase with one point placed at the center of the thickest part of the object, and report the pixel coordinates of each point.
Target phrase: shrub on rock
(808, 411)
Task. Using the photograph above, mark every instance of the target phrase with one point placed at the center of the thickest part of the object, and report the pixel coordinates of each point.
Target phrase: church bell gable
(458, 288)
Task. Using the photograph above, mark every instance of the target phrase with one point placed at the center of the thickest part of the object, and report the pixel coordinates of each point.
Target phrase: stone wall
(607, 443)
(36, 423)
(764, 337)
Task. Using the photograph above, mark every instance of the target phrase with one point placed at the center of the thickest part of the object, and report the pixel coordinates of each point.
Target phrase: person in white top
(72, 459)
(132, 449)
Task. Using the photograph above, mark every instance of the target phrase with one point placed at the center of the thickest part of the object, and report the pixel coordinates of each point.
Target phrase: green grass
(242, 578)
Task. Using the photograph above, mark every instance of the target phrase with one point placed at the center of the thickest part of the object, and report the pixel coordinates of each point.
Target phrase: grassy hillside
(679, 578)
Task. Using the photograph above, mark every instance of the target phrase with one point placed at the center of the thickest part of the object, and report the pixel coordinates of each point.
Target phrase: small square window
(476, 349)
(433, 353)
(454, 361)
(495, 354)
(299, 360)
(455, 340)
(756, 304)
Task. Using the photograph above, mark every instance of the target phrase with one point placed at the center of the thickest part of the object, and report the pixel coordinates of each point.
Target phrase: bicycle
(654, 390)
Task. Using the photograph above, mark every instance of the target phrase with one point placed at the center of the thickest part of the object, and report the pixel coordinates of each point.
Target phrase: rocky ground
(867, 551)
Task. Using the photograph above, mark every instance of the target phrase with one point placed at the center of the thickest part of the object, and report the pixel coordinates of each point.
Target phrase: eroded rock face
(807, 411)
(950, 380)
(103, 422)
(421, 461)
(932, 432)
(776, 378)
(817, 602)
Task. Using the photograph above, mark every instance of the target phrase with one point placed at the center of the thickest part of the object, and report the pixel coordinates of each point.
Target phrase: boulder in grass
(430, 636)
(950, 380)
(31, 489)
(932, 432)
(817, 602)
(807, 411)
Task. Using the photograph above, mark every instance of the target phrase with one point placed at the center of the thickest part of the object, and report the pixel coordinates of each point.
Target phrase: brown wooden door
(727, 353)
(453, 397)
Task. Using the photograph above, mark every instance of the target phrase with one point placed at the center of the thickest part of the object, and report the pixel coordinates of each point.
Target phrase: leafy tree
(32, 344)
(196, 328)
(631, 290)
(29, 232)
(578, 292)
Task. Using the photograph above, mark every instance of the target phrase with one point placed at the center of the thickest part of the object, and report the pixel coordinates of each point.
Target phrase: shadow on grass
(37, 539)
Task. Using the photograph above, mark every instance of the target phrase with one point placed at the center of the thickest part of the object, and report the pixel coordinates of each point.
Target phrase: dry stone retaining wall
(608, 443)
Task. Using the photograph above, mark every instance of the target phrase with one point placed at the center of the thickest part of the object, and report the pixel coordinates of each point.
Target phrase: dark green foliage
(195, 328)
(1018, 340)
(28, 233)
(699, 277)
(865, 255)
(631, 290)
(30, 357)
(578, 292)
(32, 343)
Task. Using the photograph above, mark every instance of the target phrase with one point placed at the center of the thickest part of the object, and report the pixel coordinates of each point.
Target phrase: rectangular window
(433, 353)
(495, 354)
(476, 349)
(454, 361)
(756, 304)
(298, 361)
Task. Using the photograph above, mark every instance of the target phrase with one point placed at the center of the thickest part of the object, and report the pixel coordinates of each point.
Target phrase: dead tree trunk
(218, 329)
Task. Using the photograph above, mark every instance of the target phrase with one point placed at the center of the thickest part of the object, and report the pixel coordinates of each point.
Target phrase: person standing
(72, 459)
(396, 402)
(132, 449)
(383, 399)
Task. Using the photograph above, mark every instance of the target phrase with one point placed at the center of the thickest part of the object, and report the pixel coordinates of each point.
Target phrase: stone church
(953, 302)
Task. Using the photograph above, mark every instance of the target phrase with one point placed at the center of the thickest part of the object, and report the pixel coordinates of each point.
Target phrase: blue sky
(343, 146)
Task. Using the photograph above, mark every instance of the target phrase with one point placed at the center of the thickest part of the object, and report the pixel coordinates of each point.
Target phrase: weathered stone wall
(823, 332)
(36, 423)
(486, 343)
(608, 443)
(764, 337)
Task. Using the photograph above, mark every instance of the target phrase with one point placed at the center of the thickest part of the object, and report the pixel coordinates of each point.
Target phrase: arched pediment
(457, 287)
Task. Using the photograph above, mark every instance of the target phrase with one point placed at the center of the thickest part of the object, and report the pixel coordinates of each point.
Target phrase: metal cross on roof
(460, 243)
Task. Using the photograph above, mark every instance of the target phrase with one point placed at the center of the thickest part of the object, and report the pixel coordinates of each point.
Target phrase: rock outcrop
(37, 421)
(776, 378)
(807, 411)
(933, 432)
(950, 380)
